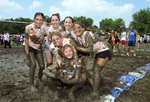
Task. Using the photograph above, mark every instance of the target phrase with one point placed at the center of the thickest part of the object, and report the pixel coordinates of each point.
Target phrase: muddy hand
(35, 39)
(73, 43)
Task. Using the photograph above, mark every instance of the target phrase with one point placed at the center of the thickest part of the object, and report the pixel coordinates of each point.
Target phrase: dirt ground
(14, 79)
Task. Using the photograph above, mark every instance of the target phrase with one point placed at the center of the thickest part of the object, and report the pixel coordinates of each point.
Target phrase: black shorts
(103, 55)
(80, 54)
(139, 41)
(145, 41)
(117, 40)
(35, 51)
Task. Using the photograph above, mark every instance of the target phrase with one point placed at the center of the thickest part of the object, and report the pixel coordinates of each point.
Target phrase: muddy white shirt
(6, 37)
(38, 35)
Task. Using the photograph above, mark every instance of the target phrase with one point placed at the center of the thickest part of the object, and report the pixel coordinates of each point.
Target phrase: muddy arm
(75, 59)
(73, 81)
(48, 73)
(27, 32)
(88, 49)
(57, 56)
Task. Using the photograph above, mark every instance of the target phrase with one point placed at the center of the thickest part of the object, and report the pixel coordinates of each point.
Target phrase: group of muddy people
(71, 47)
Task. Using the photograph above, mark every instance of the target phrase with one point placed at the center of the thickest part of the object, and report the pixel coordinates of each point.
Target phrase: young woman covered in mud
(68, 73)
(93, 44)
(68, 28)
(54, 27)
(34, 35)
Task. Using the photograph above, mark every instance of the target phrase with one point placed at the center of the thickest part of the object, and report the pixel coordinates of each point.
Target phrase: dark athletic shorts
(145, 41)
(117, 40)
(103, 55)
(131, 43)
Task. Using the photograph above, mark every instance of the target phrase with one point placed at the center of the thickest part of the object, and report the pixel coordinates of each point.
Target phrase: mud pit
(14, 79)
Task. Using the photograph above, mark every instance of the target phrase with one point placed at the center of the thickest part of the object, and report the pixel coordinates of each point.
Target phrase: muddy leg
(96, 84)
(51, 83)
(76, 86)
(40, 60)
(32, 71)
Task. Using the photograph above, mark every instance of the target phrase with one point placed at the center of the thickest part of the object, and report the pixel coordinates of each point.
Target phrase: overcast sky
(95, 9)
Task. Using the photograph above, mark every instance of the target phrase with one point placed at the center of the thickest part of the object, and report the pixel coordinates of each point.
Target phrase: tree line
(141, 22)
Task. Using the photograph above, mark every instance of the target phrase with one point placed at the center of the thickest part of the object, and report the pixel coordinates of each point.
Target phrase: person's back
(145, 37)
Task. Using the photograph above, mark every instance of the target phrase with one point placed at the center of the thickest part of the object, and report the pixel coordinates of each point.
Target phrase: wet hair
(39, 14)
(70, 18)
(65, 47)
(56, 14)
(56, 34)
(81, 24)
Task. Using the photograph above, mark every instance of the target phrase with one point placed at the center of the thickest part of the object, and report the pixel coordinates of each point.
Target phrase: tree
(16, 25)
(95, 27)
(47, 18)
(117, 25)
(141, 21)
(106, 23)
(88, 22)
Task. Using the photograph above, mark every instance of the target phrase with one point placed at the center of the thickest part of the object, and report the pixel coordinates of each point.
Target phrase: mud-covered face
(78, 30)
(56, 40)
(68, 24)
(55, 22)
(68, 53)
(38, 21)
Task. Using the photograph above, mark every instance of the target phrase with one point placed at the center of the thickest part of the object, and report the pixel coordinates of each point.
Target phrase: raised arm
(27, 32)
(75, 59)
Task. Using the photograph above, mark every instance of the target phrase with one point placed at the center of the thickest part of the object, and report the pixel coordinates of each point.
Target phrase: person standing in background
(17, 39)
(1, 39)
(132, 40)
(123, 40)
(6, 40)
(145, 40)
(138, 41)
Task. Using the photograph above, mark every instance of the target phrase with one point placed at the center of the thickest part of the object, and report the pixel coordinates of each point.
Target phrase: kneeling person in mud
(69, 74)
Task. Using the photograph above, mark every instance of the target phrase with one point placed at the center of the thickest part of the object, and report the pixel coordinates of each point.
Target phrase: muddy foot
(70, 95)
(33, 88)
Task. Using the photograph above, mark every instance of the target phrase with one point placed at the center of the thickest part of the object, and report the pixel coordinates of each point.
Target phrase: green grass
(144, 86)
(138, 53)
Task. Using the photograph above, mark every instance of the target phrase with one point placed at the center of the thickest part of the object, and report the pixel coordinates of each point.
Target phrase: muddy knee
(44, 78)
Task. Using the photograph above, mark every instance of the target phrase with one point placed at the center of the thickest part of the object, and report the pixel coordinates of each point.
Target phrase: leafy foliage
(141, 21)
(117, 24)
